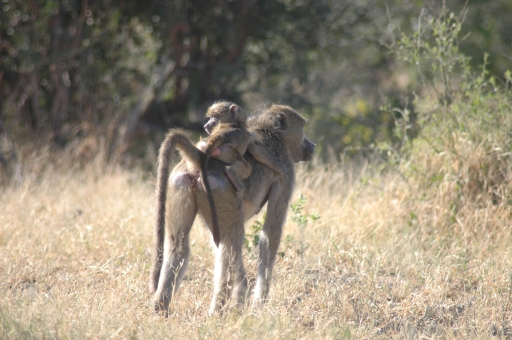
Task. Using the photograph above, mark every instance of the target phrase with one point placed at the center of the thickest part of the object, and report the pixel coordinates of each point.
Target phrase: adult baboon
(279, 129)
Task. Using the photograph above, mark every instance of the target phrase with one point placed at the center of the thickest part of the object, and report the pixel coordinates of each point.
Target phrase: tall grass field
(379, 262)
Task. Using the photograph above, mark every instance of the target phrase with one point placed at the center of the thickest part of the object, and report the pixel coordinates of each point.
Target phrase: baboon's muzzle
(309, 150)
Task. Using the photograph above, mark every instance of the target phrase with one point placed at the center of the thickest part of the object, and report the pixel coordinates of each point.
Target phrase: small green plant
(302, 219)
(252, 238)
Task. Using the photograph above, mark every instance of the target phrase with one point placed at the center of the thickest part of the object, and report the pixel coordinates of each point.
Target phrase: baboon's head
(223, 112)
(290, 125)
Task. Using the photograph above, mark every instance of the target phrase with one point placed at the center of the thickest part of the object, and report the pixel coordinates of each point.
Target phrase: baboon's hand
(201, 145)
(221, 149)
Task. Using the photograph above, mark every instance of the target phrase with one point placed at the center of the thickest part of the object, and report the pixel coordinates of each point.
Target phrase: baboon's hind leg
(180, 217)
(229, 273)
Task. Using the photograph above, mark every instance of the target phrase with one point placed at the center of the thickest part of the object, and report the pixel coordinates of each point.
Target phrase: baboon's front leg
(263, 156)
(181, 211)
(270, 238)
(239, 282)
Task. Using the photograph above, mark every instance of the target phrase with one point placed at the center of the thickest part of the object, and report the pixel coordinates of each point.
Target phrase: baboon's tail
(204, 178)
(173, 139)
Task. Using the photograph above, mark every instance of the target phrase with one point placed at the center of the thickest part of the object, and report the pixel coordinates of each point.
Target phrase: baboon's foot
(160, 308)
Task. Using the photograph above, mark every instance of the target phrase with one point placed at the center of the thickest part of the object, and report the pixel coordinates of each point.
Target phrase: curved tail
(204, 178)
(176, 139)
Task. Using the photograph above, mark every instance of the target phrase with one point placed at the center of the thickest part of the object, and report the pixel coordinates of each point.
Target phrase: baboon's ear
(234, 110)
(281, 121)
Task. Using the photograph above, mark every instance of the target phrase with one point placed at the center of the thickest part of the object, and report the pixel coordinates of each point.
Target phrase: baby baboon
(229, 140)
(278, 129)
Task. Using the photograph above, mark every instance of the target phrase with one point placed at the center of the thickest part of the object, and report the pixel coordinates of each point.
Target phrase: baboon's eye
(281, 121)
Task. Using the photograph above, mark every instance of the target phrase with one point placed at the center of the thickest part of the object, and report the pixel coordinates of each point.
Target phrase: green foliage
(463, 117)
(68, 64)
(70, 68)
(252, 235)
(302, 219)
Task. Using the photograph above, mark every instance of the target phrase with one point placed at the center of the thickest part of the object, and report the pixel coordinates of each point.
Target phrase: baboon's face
(223, 112)
(216, 119)
(291, 124)
(210, 124)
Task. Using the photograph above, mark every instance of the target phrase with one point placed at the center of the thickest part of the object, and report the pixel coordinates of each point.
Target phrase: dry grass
(384, 260)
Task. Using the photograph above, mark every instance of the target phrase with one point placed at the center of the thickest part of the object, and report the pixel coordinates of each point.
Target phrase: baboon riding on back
(279, 130)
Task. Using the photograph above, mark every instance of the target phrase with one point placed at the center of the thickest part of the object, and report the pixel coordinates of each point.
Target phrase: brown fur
(279, 130)
(229, 134)
(193, 158)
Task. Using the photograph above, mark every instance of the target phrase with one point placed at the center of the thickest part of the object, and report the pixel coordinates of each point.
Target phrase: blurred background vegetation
(110, 77)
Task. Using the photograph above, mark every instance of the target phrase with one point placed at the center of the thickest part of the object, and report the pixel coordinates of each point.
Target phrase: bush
(461, 118)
